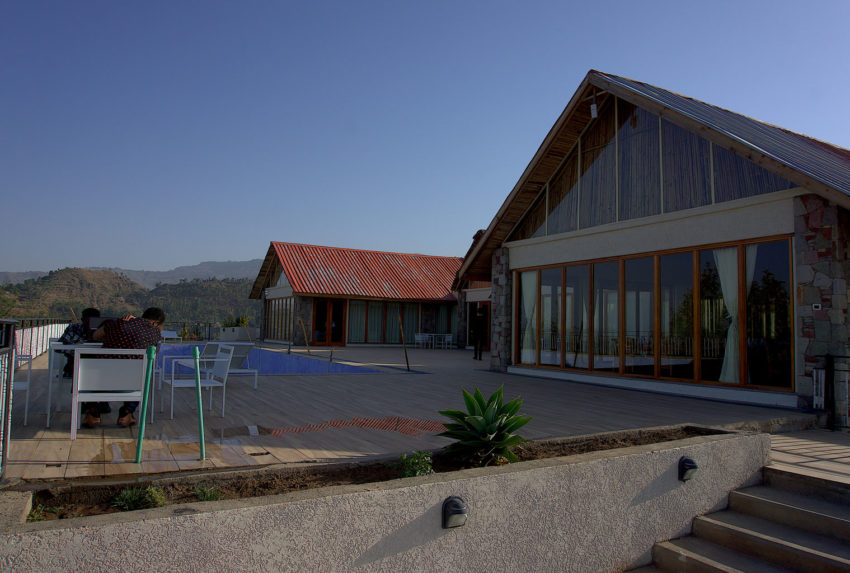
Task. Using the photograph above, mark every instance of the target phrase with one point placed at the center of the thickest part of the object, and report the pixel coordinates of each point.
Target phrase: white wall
(594, 512)
(751, 218)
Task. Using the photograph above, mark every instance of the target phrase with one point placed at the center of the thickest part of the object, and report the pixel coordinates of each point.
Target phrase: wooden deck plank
(329, 417)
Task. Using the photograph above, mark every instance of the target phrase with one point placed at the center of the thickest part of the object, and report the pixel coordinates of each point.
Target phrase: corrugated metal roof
(817, 159)
(333, 271)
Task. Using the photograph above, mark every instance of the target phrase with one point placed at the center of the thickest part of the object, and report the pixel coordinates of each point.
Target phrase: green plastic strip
(196, 354)
(145, 396)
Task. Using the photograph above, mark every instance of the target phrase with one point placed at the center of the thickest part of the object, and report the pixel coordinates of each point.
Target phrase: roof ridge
(364, 250)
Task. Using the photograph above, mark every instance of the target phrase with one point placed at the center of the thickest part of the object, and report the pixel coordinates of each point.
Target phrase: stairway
(793, 522)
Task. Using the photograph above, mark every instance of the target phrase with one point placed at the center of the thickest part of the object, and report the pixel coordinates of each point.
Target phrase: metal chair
(211, 377)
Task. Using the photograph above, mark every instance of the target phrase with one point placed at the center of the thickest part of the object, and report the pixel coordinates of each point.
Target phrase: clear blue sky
(153, 134)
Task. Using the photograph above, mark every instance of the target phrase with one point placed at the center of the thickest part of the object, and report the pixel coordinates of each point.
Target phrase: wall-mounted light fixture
(594, 111)
(687, 468)
(454, 512)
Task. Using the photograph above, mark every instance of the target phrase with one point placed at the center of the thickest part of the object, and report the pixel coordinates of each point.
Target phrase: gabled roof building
(658, 242)
(335, 296)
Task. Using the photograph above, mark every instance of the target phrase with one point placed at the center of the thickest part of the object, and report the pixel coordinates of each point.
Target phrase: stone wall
(501, 309)
(822, 270)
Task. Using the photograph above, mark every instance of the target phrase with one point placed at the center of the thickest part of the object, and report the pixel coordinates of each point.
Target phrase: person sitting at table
(78, 333)
(131, 332)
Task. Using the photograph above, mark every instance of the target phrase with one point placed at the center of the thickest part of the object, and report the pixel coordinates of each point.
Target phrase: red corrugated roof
(333, 271)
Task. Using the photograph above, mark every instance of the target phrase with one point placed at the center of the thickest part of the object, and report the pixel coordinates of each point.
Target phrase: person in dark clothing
(77, 333)
(131, 332)
(477, 331)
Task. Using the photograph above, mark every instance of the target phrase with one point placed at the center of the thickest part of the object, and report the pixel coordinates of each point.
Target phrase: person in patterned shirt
(131, 332)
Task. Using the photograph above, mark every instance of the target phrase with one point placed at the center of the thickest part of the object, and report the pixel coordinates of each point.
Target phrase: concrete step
(694, 555)
(814, 514)
(809, 482)
(787, 546)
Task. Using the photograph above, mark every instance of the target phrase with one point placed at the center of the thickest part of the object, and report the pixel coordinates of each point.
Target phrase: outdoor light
(687, 468)
(594, 112)
(454, 512)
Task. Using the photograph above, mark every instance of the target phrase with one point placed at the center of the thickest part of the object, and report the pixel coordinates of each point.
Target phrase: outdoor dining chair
(213, 374)
(237, 362)
(106, 375)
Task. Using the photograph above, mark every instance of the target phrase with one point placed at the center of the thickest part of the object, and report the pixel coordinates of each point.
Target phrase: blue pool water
(269, 362)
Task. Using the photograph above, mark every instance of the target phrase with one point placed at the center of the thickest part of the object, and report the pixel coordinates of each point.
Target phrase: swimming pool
(271, 363)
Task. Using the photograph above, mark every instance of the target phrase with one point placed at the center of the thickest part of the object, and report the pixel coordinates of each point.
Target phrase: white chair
(420, 340)
(106, 375)
(240, 355)
(448, 340)
(214, 376)
(171, 336)
(20, 360)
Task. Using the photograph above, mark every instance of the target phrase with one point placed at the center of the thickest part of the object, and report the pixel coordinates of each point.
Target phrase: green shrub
(484, 433)
(131, 498)
(206, 492)
(417, 463)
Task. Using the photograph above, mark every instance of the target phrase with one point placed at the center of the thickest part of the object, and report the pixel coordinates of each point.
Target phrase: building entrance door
(329, 322)
(472, 309)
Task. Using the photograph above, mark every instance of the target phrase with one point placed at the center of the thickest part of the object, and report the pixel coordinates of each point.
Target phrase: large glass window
(686, 165)
(577, 326)
(718, 285)
(677, 315)
(411, 321)
(376, 322)
(639, 169)
(606, 316)
(393, 334)
(769, 315)
(598, 174)
(357, 321)
(646, 311)
(527, 314)
(550, 316)
(640, 316)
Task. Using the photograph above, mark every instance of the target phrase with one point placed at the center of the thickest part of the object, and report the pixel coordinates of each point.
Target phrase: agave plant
(485, 433)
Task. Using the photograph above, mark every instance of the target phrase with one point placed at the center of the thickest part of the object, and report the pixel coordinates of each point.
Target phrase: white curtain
(727, 269)
(528, 289)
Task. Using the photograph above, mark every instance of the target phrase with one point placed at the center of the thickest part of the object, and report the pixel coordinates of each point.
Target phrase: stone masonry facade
(822, 271)
(501, 309)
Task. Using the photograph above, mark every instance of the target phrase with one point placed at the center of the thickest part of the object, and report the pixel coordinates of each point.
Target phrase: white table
(52, 349)
(434, 339)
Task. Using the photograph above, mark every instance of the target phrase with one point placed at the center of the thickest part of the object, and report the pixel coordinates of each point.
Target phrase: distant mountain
(195, 300)
(16, 278)
(149, 279)
(55, 294)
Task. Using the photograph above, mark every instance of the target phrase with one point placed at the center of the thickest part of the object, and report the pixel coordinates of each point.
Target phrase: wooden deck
(335, 417)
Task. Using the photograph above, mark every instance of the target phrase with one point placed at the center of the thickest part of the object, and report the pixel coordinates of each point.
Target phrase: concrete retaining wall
(593, 512)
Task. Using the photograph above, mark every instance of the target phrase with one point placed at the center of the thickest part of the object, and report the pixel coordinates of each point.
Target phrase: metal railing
(32, 335)
(7, 358)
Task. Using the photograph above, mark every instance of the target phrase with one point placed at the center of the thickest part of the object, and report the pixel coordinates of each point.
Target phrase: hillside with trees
(54, 295)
